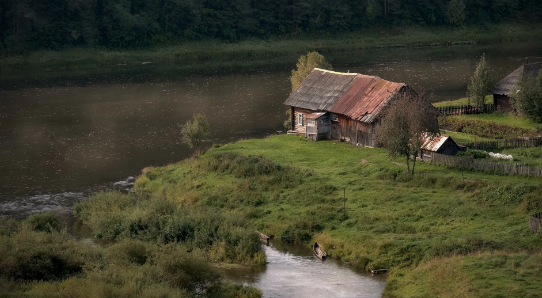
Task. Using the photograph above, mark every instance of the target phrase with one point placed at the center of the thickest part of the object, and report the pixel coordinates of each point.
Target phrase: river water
(67, 133)
(293, 271)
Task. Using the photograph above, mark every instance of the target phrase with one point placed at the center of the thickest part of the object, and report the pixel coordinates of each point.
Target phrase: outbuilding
(503, 89)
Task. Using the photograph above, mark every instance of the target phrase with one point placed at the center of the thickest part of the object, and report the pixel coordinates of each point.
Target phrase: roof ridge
(336, 72)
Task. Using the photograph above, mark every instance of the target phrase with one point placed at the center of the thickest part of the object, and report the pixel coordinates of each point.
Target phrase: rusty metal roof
(505, 85)
(366, 97)
(360, 97)
(320, 90)
(433, 143)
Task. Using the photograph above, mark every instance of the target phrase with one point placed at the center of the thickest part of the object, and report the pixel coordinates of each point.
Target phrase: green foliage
(527, 98)
(473, 153)
(480, 84)
(456, 12)
(130, 24)
(305, 65)
(194, 131)
(482, 128)
(43, 222)
(407, 121)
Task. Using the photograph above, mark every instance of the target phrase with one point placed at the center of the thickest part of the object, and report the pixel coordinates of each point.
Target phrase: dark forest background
(129, 24)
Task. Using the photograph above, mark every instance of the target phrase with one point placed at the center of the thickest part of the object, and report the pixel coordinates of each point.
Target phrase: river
(65, 134)
(293, 271)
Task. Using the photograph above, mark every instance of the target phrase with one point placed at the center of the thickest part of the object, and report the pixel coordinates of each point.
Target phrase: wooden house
(442, 144)
(331, 105)
(503, 89)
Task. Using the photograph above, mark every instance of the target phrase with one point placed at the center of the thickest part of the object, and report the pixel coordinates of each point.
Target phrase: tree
(527, 97)
(406, 122)
(195, 131)
(480, 84)
(456, 12)
(305, 65)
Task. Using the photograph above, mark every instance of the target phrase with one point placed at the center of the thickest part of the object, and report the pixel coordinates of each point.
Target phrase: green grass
(460, 102)
(249, 52)
(463, 138)
(506, 119)
(292, 188)
(494, 125)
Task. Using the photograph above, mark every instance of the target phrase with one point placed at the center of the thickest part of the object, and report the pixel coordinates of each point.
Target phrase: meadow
(414, 225)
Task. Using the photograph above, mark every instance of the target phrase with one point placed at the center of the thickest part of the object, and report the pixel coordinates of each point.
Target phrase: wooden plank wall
(535, 222)
(465, 110)
(504, 144)
(473, 164)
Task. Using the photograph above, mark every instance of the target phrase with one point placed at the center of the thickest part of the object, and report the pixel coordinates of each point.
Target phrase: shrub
(43, 222)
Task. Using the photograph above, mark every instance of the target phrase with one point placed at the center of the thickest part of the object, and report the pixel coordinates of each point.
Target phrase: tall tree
(480, 84)
(305, 65)
(527, 98)
(407, 121)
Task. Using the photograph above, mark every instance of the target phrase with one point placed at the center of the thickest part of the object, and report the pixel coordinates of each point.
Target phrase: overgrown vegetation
(461, 102)
(480, 85)
(152, 248)
(288, 187)
(478, 126)
(527, 98)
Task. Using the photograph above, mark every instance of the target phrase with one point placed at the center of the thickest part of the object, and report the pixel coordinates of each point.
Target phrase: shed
(442, 144)
(502, 90)
(348, 103)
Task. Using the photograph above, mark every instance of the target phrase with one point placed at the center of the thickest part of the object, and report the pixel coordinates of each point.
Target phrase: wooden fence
(465, 110)
(535, 222)
(504, 144)
(479, 165)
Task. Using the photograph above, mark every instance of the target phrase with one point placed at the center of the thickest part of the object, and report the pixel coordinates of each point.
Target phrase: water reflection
(292, 271)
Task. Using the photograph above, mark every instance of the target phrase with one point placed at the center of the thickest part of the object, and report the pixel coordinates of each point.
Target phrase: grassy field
(460, 102)
(429, 229)
(222, 54)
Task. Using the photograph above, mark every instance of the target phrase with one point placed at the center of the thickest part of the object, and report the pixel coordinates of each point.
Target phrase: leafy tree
(456, 12)
(305, 65)
(406, 122)
(480, 84)
(195, 131)
(527, 98)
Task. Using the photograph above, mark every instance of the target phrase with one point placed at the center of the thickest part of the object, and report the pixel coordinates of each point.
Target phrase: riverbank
(415, 226)
(218, 54)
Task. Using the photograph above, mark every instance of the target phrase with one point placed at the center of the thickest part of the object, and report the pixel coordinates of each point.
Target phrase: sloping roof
(364, 99)
(505, 85)
(434, 143)
(357, 96)
(314, 115)
(320, 90)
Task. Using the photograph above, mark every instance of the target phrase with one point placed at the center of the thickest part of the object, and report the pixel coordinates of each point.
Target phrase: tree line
(129, 24)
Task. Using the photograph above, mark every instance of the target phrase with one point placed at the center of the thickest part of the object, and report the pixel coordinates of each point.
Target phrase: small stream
(292, 271)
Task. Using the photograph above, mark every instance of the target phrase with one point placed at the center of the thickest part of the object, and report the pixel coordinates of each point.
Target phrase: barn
(331, 105)
(502, 90)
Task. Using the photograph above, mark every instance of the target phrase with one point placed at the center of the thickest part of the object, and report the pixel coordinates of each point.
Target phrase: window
(300, 119)
(334, 117)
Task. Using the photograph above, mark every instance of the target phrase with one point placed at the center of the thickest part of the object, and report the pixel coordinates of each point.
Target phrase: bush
(43, 222)
(475, 154)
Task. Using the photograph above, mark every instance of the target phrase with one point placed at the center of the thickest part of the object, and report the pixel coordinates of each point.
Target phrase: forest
(135, 24)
